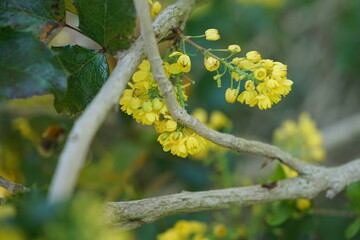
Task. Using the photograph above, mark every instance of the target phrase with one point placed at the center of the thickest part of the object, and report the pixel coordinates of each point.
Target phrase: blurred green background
(320, 43)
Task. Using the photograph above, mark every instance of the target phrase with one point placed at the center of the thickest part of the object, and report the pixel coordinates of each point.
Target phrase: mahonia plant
(264, 84)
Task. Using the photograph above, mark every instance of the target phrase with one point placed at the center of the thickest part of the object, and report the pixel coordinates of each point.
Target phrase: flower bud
(230, 95)
(253, 56)
(212, 34)
(156, 9)
(234, 48)
(249, 85)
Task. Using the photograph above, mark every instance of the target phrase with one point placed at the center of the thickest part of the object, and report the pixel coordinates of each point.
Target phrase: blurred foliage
(318, 40)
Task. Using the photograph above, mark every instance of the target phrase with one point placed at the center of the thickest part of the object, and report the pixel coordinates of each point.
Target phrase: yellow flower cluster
(144, 102)
(302, 139)
(185, 230)
(179, 140)
(268, 83)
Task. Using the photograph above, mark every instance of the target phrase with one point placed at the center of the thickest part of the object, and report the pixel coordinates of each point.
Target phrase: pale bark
(79, 140)
(132, 214)
(11, 186)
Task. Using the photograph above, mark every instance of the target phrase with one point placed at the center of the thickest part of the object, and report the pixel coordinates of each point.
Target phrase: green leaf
(279, 173)
(353, 228)
(353, 193)
(27, 66)
(88, 71)
(279, 215)
(109, 23)
(40, 17)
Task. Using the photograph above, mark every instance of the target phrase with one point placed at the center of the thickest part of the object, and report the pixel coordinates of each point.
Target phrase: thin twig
(11, 186)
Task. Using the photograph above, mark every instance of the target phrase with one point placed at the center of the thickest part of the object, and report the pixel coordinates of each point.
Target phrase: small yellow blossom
(247, 65)
(249, 85)
(267, 64)
(144, 72)
(263, 101)
(184, 63)
(220, 230)
(211, 64)
(260, 73)
(218, 120)
(303, 204)
(183, 230)
(234, 48)
(248, 97)
(253, 56)
(156, 9)
(230, 95)
(237, 60)
(212, 34)
(237, 77)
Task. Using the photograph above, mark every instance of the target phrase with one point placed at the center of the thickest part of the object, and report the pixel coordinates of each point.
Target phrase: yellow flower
(184, 63)
(263, 101)
(192, 145)
(248, 97)
(236, 61)
(147, 106)
(156, 9)
(179, 140)
(253, 56)
(212, 34)
(260, 73)
(211, 64)
(302, 138)
(266, 63)
(218, 120)
(144, 72)
(220, 230)
(230, 95)
(247, 65)
(249, 85)
(289, 172)
(183, 230)
(303, 204)
(236, 76)
(234, 48)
